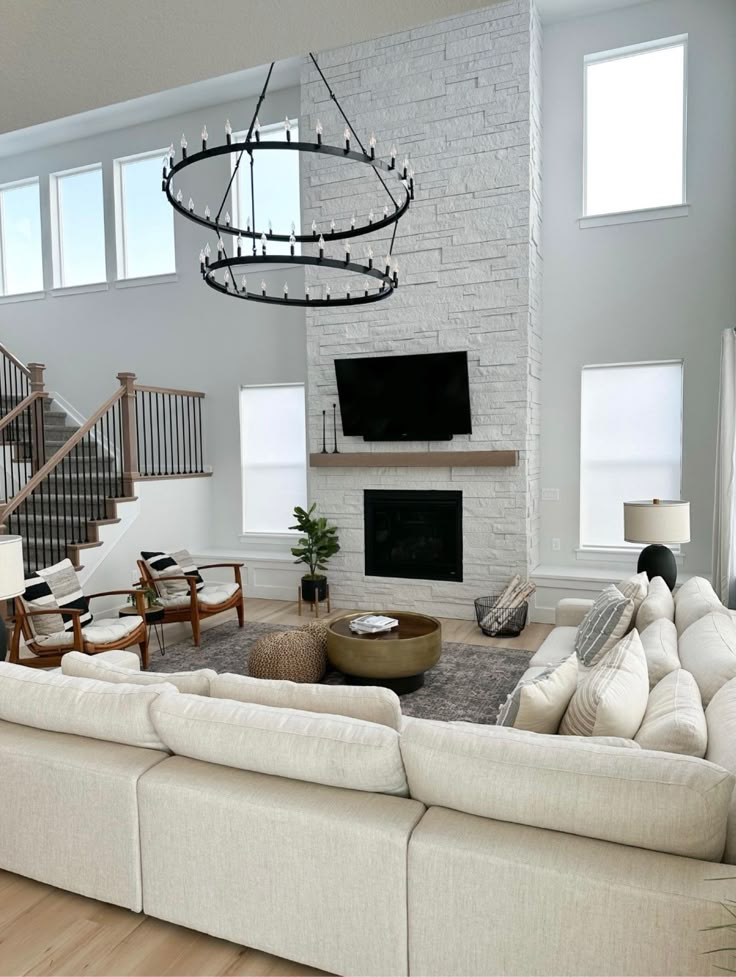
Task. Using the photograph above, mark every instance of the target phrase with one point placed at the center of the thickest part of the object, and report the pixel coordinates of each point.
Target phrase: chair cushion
(538, 702)
(90, 666)
(604, 625)
(708, 650)
(659, 603)
(332, 750)
(175, 564)
(210, 595)
(102, 631)
(693, 600)
(81, 706)
(659, 641)
(674, 721)
(612, 697)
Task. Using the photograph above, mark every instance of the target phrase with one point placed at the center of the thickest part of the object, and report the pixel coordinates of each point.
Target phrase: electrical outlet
(555, 544)
(550, 495)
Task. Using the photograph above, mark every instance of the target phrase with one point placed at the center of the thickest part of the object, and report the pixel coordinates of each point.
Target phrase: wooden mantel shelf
(415, 459)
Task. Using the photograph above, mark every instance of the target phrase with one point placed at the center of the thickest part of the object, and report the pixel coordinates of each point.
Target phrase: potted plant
(318, 544)
(149, 595)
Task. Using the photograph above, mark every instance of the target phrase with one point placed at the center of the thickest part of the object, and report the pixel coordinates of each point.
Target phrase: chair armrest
(76, 615)
(570, 611)
(234, 566)
(139, 603)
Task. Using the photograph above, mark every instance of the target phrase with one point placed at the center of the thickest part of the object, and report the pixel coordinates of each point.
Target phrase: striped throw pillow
(537, 704)
(163, 565)
(37, 596)
(612, 698)
(604, 625)
(64, 584)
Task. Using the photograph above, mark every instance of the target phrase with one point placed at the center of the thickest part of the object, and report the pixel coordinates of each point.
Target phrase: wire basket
(500, 622)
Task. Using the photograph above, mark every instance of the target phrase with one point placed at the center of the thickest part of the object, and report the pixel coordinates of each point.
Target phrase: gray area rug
(469, 682)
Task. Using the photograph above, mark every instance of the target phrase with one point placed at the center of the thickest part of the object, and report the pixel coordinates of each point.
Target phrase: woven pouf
(296, 656)
(318, 631)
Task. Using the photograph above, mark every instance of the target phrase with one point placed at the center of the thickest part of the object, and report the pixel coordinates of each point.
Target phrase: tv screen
(421, 397)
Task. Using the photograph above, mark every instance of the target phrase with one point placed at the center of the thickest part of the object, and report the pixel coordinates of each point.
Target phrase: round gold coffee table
(397, 659)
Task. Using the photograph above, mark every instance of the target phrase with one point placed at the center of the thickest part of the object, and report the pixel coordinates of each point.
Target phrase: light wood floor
(47, 931)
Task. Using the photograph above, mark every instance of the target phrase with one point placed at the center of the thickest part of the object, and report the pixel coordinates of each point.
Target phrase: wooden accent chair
(196, 605)
(101, 635)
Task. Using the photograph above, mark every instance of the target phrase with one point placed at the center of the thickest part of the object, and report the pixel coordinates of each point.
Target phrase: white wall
(644, 291)
(178, 334)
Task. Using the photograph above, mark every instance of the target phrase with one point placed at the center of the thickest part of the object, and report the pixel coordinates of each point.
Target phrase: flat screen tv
(421, 397)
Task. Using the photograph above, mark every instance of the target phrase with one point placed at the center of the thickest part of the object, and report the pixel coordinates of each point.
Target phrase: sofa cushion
(708, 650)
(604, 625)
(334, 750)
(659, 641)
(612, 697)
(720, 717)
(103, 631)
(636, 587)
(539, 701)
(88, 666)
(162, 565)
(82, 706)
(659, 603)
(674, 721)
(556, 647)
(693, 600)
(367, 702)
(667, 803)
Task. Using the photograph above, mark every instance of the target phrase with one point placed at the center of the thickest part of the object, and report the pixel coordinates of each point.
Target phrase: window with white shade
(21, 262)
(276, 181)
(78, 227)
(144, 219)
(273, 456)
(630, 444)
(635, 114)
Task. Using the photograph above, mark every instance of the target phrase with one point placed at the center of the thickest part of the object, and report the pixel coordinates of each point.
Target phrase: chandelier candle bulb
(385, 211)
(352, 223)
(257, 129)
(240, 245)
(183, 146)
(207, 253)
(314, 228)
(347, 139)
(191, 206)
(388, 265)
(393, 158)
(372, 144)
(263, 287)
(247, 225)
(332, 226)
(207, 212)
(179, 196)
(347, 252)
(228, 132)
(244, 284)
(287, 128)
(396, 273)
(370, 257)
(318, 130)
(292, 241)
(286, 290)
(227, 218)
(263, 243)
(370, 217)
(205, 137)
(220, 247)
(201, 260)
(406, 167)
(321, 246)
(171, 154)
(366, 286)
(164, 167)
(270, 229)
(327, 292)
(306, 293)
(347, 294)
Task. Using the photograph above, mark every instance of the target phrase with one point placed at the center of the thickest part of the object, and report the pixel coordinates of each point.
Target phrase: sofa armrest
(123, 659)
(570, 611)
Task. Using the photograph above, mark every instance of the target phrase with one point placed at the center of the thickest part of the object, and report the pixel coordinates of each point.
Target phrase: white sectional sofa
(337, 834)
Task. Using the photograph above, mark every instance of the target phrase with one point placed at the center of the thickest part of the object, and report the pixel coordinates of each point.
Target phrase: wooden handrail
(168, 390)
(14, 359)
(33, 483)
(19, 408)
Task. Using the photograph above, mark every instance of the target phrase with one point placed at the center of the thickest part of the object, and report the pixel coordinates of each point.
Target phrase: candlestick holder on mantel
(416, 459)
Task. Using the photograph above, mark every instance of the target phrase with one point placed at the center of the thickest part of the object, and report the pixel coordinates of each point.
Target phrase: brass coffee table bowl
(397, 659)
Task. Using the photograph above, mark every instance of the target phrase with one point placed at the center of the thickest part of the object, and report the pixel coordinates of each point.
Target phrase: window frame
(14, 185)
(637, 213)
(121, 254)
(586, 550)
(261, 534)
(57, 243)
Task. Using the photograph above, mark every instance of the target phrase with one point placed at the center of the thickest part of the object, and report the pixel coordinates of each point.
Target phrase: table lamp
(660, 523)
(12, 580)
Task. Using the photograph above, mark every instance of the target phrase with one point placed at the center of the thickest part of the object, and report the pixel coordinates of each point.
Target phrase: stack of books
(372, 624)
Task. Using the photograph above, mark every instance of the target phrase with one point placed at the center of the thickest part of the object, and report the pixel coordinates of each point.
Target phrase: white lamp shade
(664, 521)
(12, 576)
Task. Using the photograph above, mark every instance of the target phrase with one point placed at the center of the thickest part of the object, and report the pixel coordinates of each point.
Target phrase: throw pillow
(659, 641)
(674, 721)
(636, 587)
(693, 600)
(604, 625)
(659, 603)
(67, 591)
(163, 565)
(611, 698)
(538, 704)
(37, 596)
(708, 650)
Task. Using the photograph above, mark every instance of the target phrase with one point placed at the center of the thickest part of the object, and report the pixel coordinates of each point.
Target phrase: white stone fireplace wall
(461, 97)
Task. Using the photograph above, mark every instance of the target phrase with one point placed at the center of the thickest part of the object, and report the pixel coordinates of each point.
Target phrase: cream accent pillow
(708, 650)
(659, 603)
(604, 625)
(721, 719)
(86, 666)
(674, 721)
(611, 698)
(538, 704)
(693, 600)
(659, 641)
(636, 587)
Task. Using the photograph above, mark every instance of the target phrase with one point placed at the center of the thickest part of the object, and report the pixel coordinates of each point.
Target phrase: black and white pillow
(64, 584)
(163, 565)
(37, 596)
(604, 625)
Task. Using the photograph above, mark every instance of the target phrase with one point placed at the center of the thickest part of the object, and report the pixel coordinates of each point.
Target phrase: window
(635, 127)
(144, 220)
(276, 180)
(78, 227)
(21, 263)
(630, 443)
(273, 455)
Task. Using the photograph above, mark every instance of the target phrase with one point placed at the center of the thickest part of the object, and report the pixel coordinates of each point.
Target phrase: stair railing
(22, 428)
(169, 440)
(15, 380)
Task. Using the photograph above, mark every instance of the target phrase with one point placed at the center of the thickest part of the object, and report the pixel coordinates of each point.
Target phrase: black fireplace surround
(414, 534)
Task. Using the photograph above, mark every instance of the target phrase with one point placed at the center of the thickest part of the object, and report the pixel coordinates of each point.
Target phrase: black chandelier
(380, 278)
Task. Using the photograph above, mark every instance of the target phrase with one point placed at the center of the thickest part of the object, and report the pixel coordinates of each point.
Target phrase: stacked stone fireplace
(461, 97)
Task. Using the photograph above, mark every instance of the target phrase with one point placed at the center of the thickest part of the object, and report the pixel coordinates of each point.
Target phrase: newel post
(38, 438)
(129, 433)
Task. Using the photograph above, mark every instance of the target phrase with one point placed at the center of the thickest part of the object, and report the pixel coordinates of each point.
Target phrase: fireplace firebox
(414, 534)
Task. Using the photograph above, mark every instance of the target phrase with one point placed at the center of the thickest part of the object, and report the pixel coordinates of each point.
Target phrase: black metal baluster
(158, 435)
(170, 469)
(189, 435)
(138, 433)
(143, 463)
(201, 458)
(176, 432)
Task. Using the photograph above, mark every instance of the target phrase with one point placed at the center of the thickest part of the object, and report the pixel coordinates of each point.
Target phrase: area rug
(469, 683)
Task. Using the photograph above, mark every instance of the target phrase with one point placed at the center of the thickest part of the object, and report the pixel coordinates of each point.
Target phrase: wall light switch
(555, 544)
(550, 495)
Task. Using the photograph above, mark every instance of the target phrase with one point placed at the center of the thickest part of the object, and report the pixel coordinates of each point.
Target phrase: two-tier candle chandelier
(378, 278)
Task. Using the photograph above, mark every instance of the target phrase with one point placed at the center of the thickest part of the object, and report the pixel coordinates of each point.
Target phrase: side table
(153, 617)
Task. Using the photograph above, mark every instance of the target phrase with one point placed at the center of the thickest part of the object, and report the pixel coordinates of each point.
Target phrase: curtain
(724, 565)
